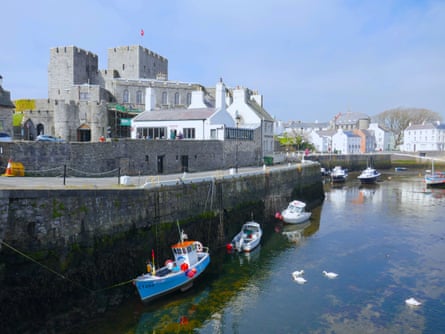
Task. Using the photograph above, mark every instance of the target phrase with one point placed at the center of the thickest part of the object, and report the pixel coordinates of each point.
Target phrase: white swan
(297, 273)
(329, 275)
(412, 302)
(300, 280)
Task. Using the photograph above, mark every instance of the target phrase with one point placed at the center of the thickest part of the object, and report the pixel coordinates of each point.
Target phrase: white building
(322, 140)
(424, 137)
(247, 110)
(384, 139)
(199, 121)
(346, 142)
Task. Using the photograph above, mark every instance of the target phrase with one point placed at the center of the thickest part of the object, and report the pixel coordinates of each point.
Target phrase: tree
(398, 119)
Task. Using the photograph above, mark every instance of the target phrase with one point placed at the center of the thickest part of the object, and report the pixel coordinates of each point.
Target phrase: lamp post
(237, 119)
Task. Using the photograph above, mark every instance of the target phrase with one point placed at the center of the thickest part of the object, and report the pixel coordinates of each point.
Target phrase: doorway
(161, 164)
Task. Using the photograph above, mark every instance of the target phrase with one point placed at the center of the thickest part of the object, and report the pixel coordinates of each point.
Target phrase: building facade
(424, 137)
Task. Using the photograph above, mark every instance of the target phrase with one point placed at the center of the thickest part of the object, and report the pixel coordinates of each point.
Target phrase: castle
(86, 103)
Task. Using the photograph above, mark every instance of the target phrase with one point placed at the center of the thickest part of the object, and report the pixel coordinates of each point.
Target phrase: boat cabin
(185, 252)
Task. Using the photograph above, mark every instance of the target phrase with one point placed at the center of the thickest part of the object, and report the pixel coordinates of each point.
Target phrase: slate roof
(426, 126)
(175, 115)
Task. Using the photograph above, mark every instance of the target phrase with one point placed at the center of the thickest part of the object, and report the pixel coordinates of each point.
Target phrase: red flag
(142, 32)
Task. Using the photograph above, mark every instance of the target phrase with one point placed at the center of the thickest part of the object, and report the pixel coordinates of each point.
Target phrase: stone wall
(133, 157)
(55, 218)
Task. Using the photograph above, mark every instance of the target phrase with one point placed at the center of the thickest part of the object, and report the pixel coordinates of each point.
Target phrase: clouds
(310, 59)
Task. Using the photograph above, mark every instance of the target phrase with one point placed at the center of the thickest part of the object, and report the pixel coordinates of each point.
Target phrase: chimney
(197, 100)
(150, 99)
(220, 94)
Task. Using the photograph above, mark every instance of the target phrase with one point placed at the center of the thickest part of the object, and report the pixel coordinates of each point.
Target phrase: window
(189, 133)
(213, 133)
(139, 97)
(189, 99)
(176, 98)
(164, 98)
(84, 96)
(126, 98)
(152, 133)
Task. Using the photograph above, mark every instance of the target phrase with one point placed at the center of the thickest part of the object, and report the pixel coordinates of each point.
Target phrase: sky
(310, 59)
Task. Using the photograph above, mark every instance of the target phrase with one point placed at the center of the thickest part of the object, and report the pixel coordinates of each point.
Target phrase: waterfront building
(346, 142)
(424, 137)
(384, 139)
(85, 103)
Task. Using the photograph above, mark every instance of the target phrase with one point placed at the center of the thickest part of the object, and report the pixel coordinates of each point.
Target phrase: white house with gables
(246, 108)
(424, 137)
(384, 139)
(200, 121)
(346, 142)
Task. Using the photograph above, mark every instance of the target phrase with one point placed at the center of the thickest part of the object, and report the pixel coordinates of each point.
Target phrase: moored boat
(295, 213)
(339, 174)
(191, 258)
(434, 178)
(369, 175)
(248, 238)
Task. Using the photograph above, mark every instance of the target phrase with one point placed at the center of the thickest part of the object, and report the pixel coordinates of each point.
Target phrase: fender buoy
(229, 247)
(190, 273)
(184, 266)
(198, 246)
(169, 264)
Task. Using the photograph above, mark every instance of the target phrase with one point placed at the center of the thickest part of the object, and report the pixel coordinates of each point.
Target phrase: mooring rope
(59, 274)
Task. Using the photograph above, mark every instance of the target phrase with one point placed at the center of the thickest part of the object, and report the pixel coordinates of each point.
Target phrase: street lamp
(237, 119)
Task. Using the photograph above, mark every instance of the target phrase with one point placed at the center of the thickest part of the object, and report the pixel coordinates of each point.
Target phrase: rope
(59, 274)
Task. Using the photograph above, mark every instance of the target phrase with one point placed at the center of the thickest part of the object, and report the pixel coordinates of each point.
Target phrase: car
(48, 138)
(4, 137)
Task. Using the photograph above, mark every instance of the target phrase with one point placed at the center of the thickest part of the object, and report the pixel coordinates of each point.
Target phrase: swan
(329, 275)
(412, 302)
(300, 280)
(297, 273)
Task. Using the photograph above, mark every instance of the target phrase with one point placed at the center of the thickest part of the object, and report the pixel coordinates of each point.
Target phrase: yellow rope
(59, 274)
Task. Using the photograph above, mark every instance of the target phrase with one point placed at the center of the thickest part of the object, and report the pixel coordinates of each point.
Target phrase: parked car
(48, 138)
(5, 137)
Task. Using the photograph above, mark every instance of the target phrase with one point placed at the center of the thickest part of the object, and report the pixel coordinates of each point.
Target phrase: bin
(268, 161)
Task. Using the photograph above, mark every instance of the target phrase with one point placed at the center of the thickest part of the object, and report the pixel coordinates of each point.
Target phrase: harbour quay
(64, 248)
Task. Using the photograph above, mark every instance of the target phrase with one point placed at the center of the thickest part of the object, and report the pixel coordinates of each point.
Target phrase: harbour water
(385, 241)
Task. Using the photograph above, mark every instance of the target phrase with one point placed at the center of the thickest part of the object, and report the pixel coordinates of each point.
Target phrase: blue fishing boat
(191, 258)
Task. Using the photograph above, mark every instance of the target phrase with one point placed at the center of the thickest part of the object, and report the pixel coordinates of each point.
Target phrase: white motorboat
(295, 213)
(339, 174)
(369, 175)
(248, 238)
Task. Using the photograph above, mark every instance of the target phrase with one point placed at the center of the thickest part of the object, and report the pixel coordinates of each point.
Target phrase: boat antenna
(182, 235)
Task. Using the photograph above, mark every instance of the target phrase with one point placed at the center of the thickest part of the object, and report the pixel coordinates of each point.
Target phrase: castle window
(126, 97)
(164, 98)
(123, 67)
(189, 99)
(139, 97)
(176, 98)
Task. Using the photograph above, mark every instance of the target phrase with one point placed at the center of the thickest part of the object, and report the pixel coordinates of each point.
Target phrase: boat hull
(298, 219)
(435, 182)
(150, 286)
(368, 180)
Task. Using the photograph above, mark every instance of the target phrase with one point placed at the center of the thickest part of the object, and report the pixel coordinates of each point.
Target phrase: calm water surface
(386, 242)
